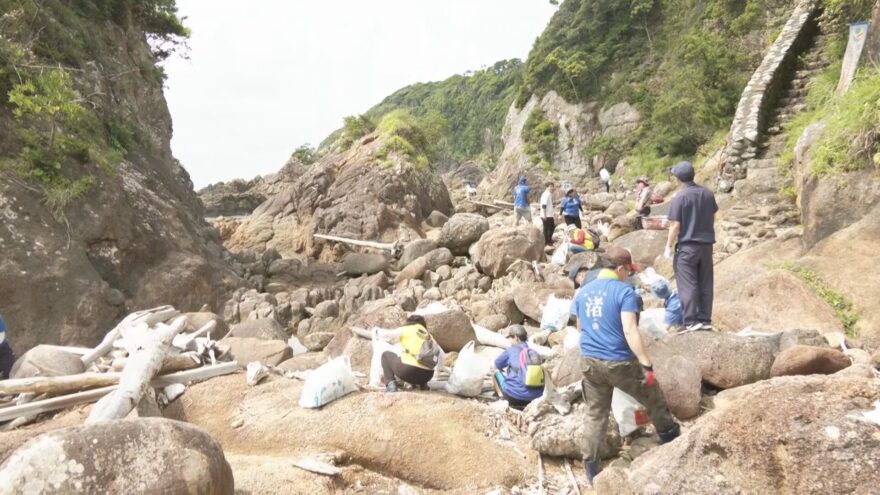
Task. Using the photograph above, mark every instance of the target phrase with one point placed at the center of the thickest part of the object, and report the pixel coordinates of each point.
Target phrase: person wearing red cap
(613, 354)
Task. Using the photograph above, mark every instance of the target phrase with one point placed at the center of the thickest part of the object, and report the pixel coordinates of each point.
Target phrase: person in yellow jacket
(420, 355)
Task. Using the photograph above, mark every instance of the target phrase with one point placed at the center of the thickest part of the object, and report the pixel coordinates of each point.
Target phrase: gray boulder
(245, 350)
(499, 248)
(416, 249)
(809, 360)
(494, 322)
(681, 382)
(44, 360)
(146, 455)
(317, 341)
(462, 230)
(452, 330)
(265, 329)
(436, 219)
(356, 264)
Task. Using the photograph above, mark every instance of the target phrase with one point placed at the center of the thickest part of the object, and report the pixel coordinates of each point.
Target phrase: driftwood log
(147, 317)
(146, 351)
(55, 403)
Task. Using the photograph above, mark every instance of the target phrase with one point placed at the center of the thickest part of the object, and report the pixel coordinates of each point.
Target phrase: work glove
(649, 380)
(667, 253)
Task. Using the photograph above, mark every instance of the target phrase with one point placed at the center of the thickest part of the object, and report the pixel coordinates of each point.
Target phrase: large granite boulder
(809, 360)
(461, 231)
(499, 248)
(146, 455)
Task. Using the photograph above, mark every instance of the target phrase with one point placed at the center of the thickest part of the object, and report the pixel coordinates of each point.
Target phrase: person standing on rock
(521, 207)
(605, 177)
(692, 234)
(7, 357)
(419, 358)
(572, 207)
(613, 355)
(517, 359)
(547, 213)
(643, 200)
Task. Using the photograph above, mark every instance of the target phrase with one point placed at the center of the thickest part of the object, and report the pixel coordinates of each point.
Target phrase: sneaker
(693, 327)
(391, 387)
(706, 326)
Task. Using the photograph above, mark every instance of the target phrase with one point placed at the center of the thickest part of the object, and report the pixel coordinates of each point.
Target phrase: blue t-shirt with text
(520, 196)
(598, 305)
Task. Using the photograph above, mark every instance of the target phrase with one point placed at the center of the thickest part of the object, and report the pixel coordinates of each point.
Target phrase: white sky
(265, 76)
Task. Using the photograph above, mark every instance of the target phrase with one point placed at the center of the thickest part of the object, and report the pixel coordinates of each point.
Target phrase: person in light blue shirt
(511, 385)
(613, 354)
(672, 317)
(7, 357)
(571, 208)
(521, 207)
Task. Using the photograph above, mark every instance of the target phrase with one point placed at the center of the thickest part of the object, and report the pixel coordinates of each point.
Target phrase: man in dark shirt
(692, 232)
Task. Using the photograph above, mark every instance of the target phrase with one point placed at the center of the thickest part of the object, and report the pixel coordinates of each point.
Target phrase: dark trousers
(7, 359)
(576, 221)
(549, 226)
(694, 275)
(600, 378)
(393, 368)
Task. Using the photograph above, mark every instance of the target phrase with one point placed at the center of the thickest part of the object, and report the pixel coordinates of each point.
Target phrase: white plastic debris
(256, 371)
(173, 391)
(296, 346)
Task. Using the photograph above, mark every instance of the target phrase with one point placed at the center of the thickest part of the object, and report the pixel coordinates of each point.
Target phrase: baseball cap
(683, 171)
(618, 256)
(572, 274)
(660, 289)
(519, 332)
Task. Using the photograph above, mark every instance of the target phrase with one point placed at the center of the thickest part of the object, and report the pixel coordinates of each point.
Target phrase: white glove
(668, 252)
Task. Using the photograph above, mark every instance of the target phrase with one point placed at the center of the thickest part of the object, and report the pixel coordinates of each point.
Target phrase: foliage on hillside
(470, 107)
(61, 128)
(682, 63)
(540, 136)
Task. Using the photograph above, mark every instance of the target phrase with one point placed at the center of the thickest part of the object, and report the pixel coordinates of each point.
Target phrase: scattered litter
(256, 372)
(173, 391)
(872, 416)
(296, 346)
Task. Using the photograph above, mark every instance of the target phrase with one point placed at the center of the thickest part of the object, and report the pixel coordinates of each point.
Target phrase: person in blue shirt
(572, 208)
(613, 354)
(672, 318)
(511, 385)
(7, 357)
(521, 207)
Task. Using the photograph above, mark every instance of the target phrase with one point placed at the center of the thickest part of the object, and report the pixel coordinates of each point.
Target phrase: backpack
(579, 237)
(530, 364)
(427, 353)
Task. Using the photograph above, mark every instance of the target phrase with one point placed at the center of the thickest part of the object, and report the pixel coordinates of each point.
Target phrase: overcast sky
(266, 76)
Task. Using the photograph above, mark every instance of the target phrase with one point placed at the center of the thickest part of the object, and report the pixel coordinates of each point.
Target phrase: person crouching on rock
(613, 355)
(419, 358)
(672, 317)
(572, 207)
(523, 380)
(7, 357)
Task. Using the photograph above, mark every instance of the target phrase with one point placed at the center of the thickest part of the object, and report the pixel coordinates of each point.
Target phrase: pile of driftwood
(143, 362)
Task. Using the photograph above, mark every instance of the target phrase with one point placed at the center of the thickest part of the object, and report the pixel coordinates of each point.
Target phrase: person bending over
(419, 358)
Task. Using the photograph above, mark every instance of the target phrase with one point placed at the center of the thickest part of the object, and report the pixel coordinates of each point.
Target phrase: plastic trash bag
(467, 375)
(652, 321)
(560, 255)
(556, 313)
(572, 339)
(628, 413)
(380, 346)
(329, 382)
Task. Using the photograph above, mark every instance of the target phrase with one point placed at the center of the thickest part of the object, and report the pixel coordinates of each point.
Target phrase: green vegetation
(471, 107)
(305, 154)
(681, 63)
(541, 138)
(355, 127)
(49, 54)
(843, 309)
(404, 135)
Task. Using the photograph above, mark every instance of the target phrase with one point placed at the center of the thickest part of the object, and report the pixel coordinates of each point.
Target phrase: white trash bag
(556, 313)
(380, 346)
(628, 413)
(560, 255)
(572, 339)
(467, 375)
(329, 382)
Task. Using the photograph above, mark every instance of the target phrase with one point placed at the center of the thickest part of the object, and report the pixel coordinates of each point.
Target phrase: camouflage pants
(600, 379)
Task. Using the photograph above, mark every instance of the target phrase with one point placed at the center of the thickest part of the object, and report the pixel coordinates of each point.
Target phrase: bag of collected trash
(652, 321)
(329, 382)
(556, 313)
(380, 346)
(467, 375)
(628, 413)
(560, 255)
(572, 338)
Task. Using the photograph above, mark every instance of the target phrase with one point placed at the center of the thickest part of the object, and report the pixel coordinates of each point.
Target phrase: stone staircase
(757, 208)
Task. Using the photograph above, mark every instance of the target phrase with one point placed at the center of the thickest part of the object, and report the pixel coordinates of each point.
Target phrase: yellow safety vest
(411, 338)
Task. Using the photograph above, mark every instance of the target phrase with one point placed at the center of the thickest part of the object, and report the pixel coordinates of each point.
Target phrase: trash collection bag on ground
(628, 413)
(380, 346)
(468, 373)
(556, 313)
(329, 382)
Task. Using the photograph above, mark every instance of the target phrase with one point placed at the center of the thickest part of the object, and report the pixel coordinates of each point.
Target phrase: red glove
(648, 381)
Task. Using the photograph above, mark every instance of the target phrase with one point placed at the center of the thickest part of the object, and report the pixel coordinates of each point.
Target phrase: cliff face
(134, 237)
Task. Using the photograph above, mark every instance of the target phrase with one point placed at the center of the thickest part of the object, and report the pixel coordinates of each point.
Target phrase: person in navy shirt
(571, 208)
(613, 354)
(511, 385)
(521, 207)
